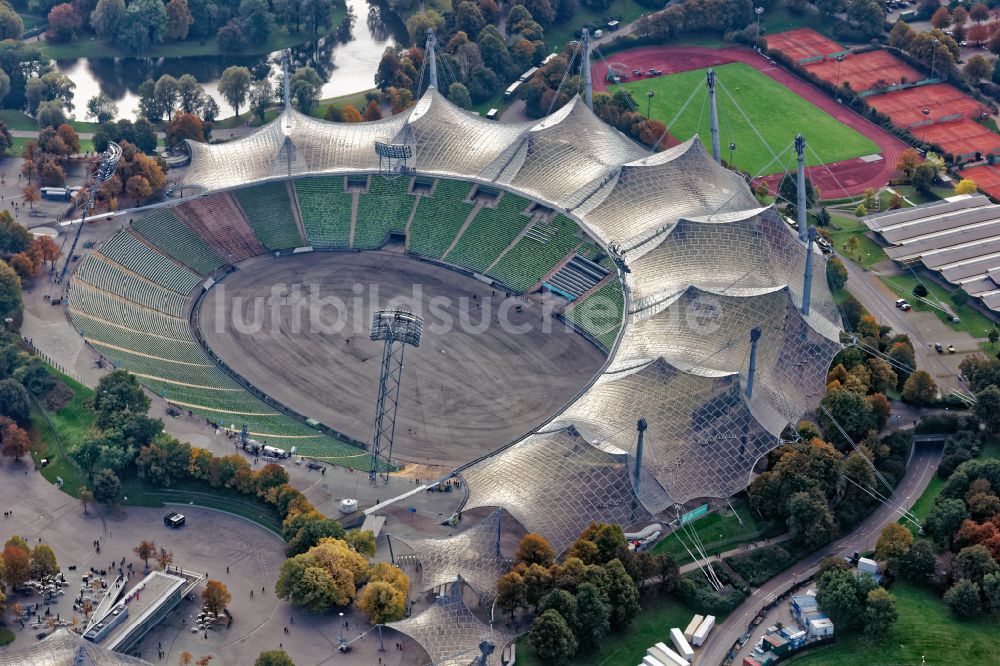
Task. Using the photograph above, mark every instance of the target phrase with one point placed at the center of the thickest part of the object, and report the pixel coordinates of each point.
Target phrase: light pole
(934, 56)
(732, 147)
(756, 41)
(927, 112)
(840, 59)
(649, 102)
(342, 642)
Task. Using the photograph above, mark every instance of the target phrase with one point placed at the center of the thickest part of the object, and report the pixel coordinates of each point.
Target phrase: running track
(836, 180)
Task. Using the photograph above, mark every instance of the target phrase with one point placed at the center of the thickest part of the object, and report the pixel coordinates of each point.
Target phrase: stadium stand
(490, 232)
(86, 299)
(220, 222)
(439, 217)
(268, 209)
(326, 212)
(97, 272)
(142, 342)
(130, 252)
(578, 276)
(600, 314)
(385, 208)
(166, 231)
(544, 246)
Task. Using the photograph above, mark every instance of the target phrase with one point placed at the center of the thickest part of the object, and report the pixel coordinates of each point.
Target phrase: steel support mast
(397, 329)
(800, 206)
(588, 83)
(431, 55)
(713, 112)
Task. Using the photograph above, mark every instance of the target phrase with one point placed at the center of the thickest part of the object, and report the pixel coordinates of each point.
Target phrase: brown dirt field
(463, 392)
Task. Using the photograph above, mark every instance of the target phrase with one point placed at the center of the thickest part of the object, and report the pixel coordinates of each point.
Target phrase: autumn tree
(215, 597)
(144, 551)
(381, 602)
(273, 658)
(30, 194)
(350, 114)
(86, 497)
(64, 23)
(164, 559)
(535, 549)
(510, 593)
(920, 388)
(184, 126)
(941, 18)
(908, 162)
(965, 186)
(15, 442)
(179, 19)
(23, 265)
(893, 544)
(16, 565)
(43, 561)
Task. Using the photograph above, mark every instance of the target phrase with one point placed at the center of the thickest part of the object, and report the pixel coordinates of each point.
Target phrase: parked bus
(527, 75)
(511, 91)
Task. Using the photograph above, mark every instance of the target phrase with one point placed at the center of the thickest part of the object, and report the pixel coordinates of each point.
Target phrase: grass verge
(972, 321)
(842, 229)
(61, 432)
(717, 531)
(745, 88)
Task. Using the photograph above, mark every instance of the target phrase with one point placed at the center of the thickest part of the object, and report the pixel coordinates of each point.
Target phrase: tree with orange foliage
(69, 137)
(138, 188)
(372, 111)
(23, 265)
(43, 249)
(184, 126)
(350, 114)
(534, 549)
(15, 442)
(30, 194)
(215, 597)
(652, 132)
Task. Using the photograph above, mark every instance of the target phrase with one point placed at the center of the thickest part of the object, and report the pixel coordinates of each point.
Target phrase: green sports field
(775, 111)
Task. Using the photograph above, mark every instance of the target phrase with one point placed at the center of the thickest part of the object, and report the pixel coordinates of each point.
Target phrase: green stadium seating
(537, 253)
(140, 341)
(439, 218)
(326, 211)
(386, 207)
(86, 299)
(97, 272)
(269, 210)
(492, 230)
(601, 318)
(165, 230)
(130, 252)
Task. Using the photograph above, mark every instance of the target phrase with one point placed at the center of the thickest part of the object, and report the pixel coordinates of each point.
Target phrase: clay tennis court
(865, 71)
(905, 107)
(962, 138)
(802, 43)
(987, 178)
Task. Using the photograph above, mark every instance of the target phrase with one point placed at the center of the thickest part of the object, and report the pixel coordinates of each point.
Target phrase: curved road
(923, 463)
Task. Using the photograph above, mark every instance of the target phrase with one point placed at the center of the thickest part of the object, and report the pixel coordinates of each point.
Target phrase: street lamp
(732, 147)
(934, 56)
(840, 59)
(342, 642)
(927, 112)
(649, 101)
(756, 41)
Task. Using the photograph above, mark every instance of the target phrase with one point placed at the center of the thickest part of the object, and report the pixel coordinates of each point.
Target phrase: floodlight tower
(800, 206)
(397, 328)
(429, 52)
(588, 83)
(713, 112)
(105, 169)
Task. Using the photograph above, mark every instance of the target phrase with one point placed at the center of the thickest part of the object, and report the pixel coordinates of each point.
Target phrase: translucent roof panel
(447, 139)
(652, 193)
(474, 555)
(555, 484)
(701, 441)
(451, 634)
(65, 648)
(236, 162)
(327, 146)
(565, 152)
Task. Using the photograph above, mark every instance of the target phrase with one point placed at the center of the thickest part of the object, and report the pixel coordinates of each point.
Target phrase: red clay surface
(962, 137)
(905, 107)
(865, 71)
(838, 180)
(987, 178)
(802, 43)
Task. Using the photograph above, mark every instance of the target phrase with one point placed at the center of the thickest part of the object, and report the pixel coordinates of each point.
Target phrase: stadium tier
(537, 253)
(385, 208)
(439, 218)
(490, 233)
(268, 208)
(219, 222)
(600, 314)
(130, 252)
(100, 274)
(166, 231)
(326, 212)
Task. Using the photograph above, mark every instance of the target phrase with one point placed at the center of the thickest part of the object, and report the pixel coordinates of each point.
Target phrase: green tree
(107, 487)
(107, 18)
(809, 520)
(418, 25)
(880, 614)
(593, 617)
(788, 192)
(537, 584)
(118, 399)
(257, 20)
(11, 25)
(918, 563)
(14, 401)
(144, 24)
(101, 108)
(274, 658)
(563, 603)
(360, 541)
(234, 85)
(622, 594)
(973, 563)
(963, 599)
(166, 91)
(944, 519)
(893, 545)
(842, 595)
(10, 292)
(851, 411)
(43, 561)
(458, 93)
(261, 97)
(836, 273)
(868, 15)
(304, 87)
(924, 177)
(991, 593)
(988, 407)
(552, 639)
(920, 389)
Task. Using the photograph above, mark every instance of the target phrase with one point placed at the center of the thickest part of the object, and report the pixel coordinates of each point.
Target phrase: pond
(346, 59)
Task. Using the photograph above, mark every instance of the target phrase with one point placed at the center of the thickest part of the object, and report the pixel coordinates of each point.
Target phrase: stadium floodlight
(393, 151)
(396, 328)
(104, 171)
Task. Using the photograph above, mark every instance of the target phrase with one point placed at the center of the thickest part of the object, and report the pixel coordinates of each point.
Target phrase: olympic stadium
(691, 307)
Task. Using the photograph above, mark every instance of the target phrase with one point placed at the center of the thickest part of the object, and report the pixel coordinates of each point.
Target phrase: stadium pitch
(472, 386)
(776, 112)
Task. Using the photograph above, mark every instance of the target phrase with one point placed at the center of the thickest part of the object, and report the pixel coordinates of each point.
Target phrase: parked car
(938, 347)
(902, 305)
(951, 349)
(173, 519)
(637, 72)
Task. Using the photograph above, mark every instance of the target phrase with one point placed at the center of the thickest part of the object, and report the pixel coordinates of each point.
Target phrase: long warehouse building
(958, 237)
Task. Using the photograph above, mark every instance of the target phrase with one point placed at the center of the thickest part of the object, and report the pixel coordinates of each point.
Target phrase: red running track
(837, 180)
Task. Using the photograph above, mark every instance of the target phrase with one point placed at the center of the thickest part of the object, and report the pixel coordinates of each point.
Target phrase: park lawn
(925, 629)
(91, 47)
(716, 531)
(557, 35)
(18, 120)
(869, 252)
(17, 145)
(70, 426)
(758, 96)
(972, 321)
(918, 197)
(652, 625)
